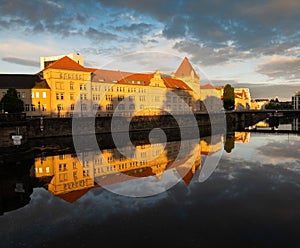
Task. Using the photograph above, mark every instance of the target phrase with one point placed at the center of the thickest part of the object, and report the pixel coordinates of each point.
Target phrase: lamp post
(58, 111)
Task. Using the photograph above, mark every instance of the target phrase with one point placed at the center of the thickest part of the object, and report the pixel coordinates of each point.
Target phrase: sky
(251, 44)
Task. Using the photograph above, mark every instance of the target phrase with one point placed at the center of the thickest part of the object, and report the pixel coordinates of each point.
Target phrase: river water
(246, 195)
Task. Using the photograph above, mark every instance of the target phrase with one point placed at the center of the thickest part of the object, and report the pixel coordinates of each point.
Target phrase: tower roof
(185, 69)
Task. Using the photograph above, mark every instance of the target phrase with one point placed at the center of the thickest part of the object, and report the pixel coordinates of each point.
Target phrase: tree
(228, 97)
(11, 103)
(229, 142)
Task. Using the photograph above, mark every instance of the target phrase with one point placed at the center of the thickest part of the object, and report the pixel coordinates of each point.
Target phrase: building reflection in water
(70, 176)
(79, 172)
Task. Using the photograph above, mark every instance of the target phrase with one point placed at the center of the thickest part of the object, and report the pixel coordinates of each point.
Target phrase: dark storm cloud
(281, 68)
(251, 25)
(138, 28)
(99, 36)
(209, 56)
(237, 29)
(20, 61)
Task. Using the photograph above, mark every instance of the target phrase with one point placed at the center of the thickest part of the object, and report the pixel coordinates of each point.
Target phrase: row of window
(71, 76)
(60, 86)
(37, 94)
(32, 108)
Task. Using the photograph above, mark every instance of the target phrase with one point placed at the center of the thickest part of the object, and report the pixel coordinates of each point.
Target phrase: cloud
(99, 36)
(213, 31)
(256, 25)
(278, 151)
(207, 55)
(20, 61)
(286, 68)
(137, 28)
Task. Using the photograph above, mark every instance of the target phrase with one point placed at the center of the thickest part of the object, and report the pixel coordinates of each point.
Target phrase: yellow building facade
(80, 91)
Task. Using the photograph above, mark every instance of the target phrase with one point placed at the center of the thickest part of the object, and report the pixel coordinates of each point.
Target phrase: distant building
(46, 61)
(259, 103)
(242, 98)
(296, 100)
(210, 97)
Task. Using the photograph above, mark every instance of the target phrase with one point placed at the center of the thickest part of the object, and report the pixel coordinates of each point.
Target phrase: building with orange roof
(46, 61)
(127, 94)
(64, 88)
(242, 98)
(69, 83)
(72, 175)
(210, 97)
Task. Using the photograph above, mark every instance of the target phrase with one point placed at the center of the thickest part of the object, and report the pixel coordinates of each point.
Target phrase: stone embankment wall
(140, 127)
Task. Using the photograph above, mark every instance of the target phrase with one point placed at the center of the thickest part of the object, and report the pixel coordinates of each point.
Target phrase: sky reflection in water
(251, 199)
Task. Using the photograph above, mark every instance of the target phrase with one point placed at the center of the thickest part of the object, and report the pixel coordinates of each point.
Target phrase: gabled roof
(18, 81)
(68, 64)
(185, 69)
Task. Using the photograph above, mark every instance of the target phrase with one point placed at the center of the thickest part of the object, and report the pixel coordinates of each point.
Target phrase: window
(32, 94)
(96, 107)
(72, 106)
(27, 107)
(120, 98)
(131, 106)
(60, 107)
(82, 87)
(62, 96)
(32, 107)
(44, 94)
(83, 106)
(121, 107)
(109, 107)
(71, 96)
(37, 94)
(23, 95)
(108, 97)
(71, 86)
(83, 97)
(57, 96)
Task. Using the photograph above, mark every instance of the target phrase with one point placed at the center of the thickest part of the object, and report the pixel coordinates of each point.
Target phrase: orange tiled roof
(68, 64)
(175, 83)
(109, 76)
(207, 86)
(185, 69)
(73, 196)
(144, 79)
